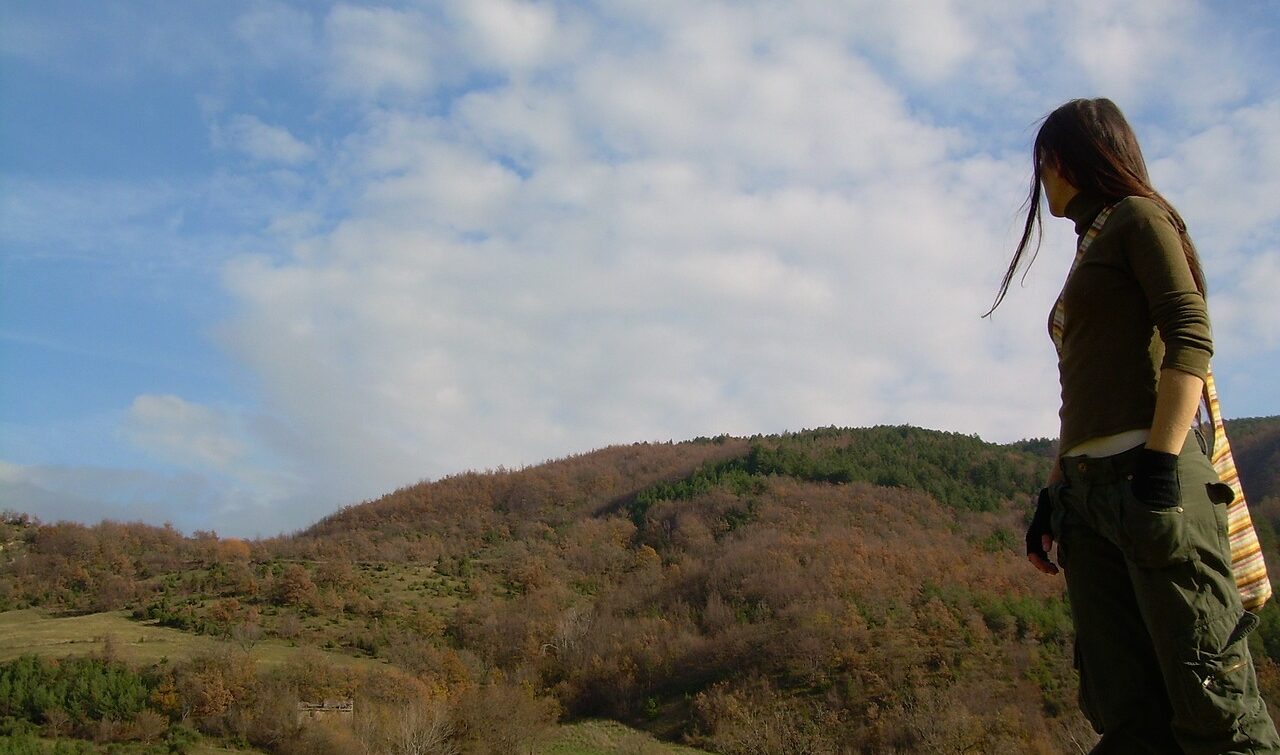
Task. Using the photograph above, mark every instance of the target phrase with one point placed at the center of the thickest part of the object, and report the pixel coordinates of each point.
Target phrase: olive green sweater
(1131, 309)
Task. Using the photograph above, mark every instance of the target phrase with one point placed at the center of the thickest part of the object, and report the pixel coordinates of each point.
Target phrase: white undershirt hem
(1110, 445)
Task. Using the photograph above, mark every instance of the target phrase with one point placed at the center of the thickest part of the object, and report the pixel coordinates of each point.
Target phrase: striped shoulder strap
(1246, 553)
(1058, 319)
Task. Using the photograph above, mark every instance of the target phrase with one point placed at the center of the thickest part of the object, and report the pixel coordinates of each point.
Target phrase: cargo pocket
(1210, 693)
(1154, 536)
(1220, 492)
(1222, 495)
(1085, 695)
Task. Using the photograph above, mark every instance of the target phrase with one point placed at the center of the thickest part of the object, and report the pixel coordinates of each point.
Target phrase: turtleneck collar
(1082, 209)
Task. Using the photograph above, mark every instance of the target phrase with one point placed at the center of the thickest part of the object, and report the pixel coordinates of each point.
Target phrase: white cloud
(262, 141)
(91, 494)
(730, 226)
(1152, 52)
(278, 34)
(188, 433)
(929, 39)
(1248, 314)
(701, 237)
(547, 226)
(376, 52)
(70, 216)
(800, 106)
(511, 33)
(190, 501)
(243, 478)
(1216, 175)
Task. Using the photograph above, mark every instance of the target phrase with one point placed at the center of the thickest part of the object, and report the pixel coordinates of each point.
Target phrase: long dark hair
(1094, 148)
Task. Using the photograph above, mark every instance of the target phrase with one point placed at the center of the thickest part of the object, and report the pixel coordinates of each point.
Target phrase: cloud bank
(508, 231)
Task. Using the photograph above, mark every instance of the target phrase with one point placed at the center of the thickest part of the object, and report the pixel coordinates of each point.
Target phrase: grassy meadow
(140, 643)
(31, 631)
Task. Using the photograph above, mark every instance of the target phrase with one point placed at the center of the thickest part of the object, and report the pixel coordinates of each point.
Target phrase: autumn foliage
(827, 591)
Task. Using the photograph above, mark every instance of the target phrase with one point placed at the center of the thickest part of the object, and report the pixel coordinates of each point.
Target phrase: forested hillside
(834, 590)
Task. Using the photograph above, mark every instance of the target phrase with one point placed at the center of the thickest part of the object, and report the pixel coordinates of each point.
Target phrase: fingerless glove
(1155, 479)
(1040, 525)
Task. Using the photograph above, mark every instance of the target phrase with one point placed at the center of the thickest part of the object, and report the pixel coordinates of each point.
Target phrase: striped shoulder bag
(1246, 553)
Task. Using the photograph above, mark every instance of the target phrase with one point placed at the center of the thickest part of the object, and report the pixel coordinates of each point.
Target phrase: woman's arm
(1177, 308)
(1177, 400)
(1155, 477)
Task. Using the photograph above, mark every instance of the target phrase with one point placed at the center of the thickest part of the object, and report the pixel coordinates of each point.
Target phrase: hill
(859, 589)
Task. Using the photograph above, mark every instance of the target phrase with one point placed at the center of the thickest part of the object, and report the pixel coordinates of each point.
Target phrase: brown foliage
(498, 718)
(56, 722)
(232, 549)
(289, 626)
(295, 588)
(775, 615)
(755, 718)
(510, 632)
(226, 613)
(274, 718)
(149, 726)
(108, 730)
(322, 738)
(462, 508)
(420, 727)
(208, 686)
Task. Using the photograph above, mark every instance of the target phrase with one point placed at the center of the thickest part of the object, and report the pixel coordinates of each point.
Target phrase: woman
(1133, 504)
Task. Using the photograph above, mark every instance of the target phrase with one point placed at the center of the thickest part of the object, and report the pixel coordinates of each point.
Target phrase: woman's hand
(1155, 479)
(1040, 532)
(1055, 475)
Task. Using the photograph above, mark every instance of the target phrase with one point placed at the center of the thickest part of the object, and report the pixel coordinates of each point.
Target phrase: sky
(261, 260)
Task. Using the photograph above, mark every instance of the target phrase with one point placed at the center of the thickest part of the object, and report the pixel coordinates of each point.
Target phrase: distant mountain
(860, 589)
(1255, 443)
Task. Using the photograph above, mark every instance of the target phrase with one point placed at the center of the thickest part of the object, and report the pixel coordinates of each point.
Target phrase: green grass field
(609, 738)
(120, 748)
(31, 631)
(581, 738)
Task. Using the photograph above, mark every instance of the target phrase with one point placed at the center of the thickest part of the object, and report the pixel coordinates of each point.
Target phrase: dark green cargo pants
(1161, 637)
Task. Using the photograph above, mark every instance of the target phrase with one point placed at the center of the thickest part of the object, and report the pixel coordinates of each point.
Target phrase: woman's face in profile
(1057, 190)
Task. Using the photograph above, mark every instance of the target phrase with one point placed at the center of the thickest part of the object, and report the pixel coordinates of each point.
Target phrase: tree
(295, 588)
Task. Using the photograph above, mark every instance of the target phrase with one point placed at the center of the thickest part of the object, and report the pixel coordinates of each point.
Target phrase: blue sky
(259, 260)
